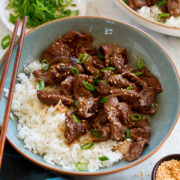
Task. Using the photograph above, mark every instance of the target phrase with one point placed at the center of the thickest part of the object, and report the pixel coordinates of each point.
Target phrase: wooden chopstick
(8, 58)
(11, 91)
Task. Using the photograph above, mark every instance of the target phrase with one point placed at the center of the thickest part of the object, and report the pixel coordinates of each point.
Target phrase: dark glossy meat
(76, 41)
(150, 80)
(174, 7)
(115, 56)
(52, 97)
(67, 86)
(120, 82)
(60, 59)
(93, 64)
(135, 150)
(46, 76)
(90, 51)
(74, 130)
(112, 113)
(79, 88)
(151, 2)
(87, 107)
(103, 88)
(57, 48)
(132, 77)
(136, 4)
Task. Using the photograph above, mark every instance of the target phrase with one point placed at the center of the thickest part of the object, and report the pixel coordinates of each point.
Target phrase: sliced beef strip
(46, 76)
(87, 107)
(74, 130)
(79, 88)
(135, 79)
(90, 51)
(67, 86)
(150, 80)
(76, 41)
(103, 88)
(60, 59)
(52, 97)
(112, 113)
(57, 48)
(135, 150)
(93, 64)
(151, 2)
(174, 7)
(115, 56)
(136, 4)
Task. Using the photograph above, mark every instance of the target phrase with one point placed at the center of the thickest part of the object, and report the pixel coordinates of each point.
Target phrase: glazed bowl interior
(166, 158)
(138, 45)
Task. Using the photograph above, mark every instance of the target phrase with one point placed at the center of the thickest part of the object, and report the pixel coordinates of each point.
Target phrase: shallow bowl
(138, 44)
(148, 23)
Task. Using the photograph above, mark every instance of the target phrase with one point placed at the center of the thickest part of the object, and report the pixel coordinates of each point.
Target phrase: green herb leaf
(103, 100)
(88, 86)
(108, 69)
(76, 119)
(5, 41)
(103, 158)
(87, 146)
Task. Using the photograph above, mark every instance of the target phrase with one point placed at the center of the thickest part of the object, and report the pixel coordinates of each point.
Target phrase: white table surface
(109, 8)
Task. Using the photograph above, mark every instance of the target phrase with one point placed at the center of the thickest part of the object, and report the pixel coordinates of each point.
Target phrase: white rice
(152, 14)
(42, 129)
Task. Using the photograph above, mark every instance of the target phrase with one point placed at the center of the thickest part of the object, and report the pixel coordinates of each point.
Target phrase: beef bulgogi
(109, 97)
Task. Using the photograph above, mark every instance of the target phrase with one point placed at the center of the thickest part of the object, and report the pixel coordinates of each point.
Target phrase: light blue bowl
(138, 44)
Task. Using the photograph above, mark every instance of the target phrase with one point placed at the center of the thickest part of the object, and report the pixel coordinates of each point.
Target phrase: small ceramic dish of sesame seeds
(166, 168)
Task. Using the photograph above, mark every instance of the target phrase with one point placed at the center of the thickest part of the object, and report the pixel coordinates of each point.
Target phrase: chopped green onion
(104, 81)
(74, 71)
(162, 2)
(74, 5)
(140, 63)
(5, 41)
(96, 133)
(100, 56)
(103, 100)
(45, 65)
(138, 73)
(127, 134)
(129, 87)
(95, 80)
(12, 18)
(136, 117)
(103, 158)
(82, 58)
(126, 2)
(41, 85)
(81, 166)
(76, 118)
(108, 69)
(88, 86)
(163, 15)
(87, 146)
(75, 102)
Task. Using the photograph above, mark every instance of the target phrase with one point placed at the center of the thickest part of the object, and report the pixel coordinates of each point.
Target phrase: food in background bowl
(164, 11)
(84, 107)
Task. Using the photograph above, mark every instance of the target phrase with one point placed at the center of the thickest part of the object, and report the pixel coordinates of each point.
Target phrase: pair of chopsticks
(13, 80)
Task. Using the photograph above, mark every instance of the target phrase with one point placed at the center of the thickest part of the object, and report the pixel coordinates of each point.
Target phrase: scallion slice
(82, 58)
(100, 56)
(103, 100)
(140, 63)
(81, 166)
(108, 69)
(162, 15)
(129, 87)
(76, 119)
(74, 71)
(87, 146)
(95, 80)
(96, 133)
(41, 85)
(45, 65)
(138, 73)
(162, 2)
(5, 41)
(88, 86)
(75, 102)
(136, 117)
(127, 134)
(103, 158)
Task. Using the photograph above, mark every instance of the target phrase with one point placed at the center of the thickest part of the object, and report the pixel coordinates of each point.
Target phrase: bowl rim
(146, 19)
(165, 158)
(68, 172)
